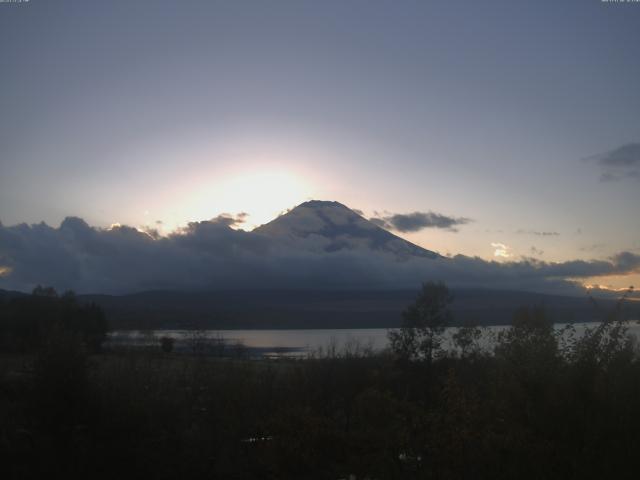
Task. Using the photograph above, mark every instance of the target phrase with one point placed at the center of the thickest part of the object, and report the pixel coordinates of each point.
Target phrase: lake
(278, 343)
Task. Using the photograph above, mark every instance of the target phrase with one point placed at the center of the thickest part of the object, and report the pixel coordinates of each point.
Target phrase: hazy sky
(523, 116)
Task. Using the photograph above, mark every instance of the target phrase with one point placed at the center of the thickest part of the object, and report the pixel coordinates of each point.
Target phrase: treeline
(539, 404)
(30, 322)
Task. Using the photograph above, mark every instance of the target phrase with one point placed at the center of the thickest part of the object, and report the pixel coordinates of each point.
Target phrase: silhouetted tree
(531, 344)
(27, 322)
(467, 339)
(47, 292)
(420, 336)
(600, 345)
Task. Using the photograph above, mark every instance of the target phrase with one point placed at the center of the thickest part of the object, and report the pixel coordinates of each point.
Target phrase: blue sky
(503, 112)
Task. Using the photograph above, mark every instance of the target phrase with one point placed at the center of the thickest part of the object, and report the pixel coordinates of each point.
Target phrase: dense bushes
(541, 403)
(29, 322)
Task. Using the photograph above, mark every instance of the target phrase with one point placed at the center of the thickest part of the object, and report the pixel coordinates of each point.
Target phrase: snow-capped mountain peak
(326, 226)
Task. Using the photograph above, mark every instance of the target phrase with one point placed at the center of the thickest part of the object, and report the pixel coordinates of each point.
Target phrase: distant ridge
(296, 309)
(327, 226)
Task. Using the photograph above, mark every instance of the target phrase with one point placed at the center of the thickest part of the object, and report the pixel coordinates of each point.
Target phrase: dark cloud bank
(620, 163)
(538, 233)
(210, 255)
(416, 221)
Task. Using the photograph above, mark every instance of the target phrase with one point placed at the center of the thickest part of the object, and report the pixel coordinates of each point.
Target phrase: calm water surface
(291, 342)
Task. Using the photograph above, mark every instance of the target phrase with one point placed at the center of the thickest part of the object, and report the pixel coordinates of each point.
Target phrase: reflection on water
(277, 343)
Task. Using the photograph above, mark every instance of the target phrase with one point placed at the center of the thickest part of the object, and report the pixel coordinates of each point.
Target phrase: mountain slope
(324, 226)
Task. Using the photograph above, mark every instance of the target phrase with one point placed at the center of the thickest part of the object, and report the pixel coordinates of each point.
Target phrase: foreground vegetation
(540, 404)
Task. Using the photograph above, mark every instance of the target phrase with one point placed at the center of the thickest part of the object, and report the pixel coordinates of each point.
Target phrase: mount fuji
(319, 265)
(324, 227)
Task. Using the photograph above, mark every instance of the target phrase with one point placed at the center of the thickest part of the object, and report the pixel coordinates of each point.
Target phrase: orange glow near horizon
(606, 287)
(614, 283)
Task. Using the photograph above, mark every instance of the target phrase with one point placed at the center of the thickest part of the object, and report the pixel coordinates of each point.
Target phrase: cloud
(538, 233)
(230, 220)
(211, 255)
(416, 221)
(501, 250)
(619, 164)
(536, 251)
(593, 247)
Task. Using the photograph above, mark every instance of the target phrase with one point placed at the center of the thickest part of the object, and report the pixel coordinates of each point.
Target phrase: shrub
(166, 344)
